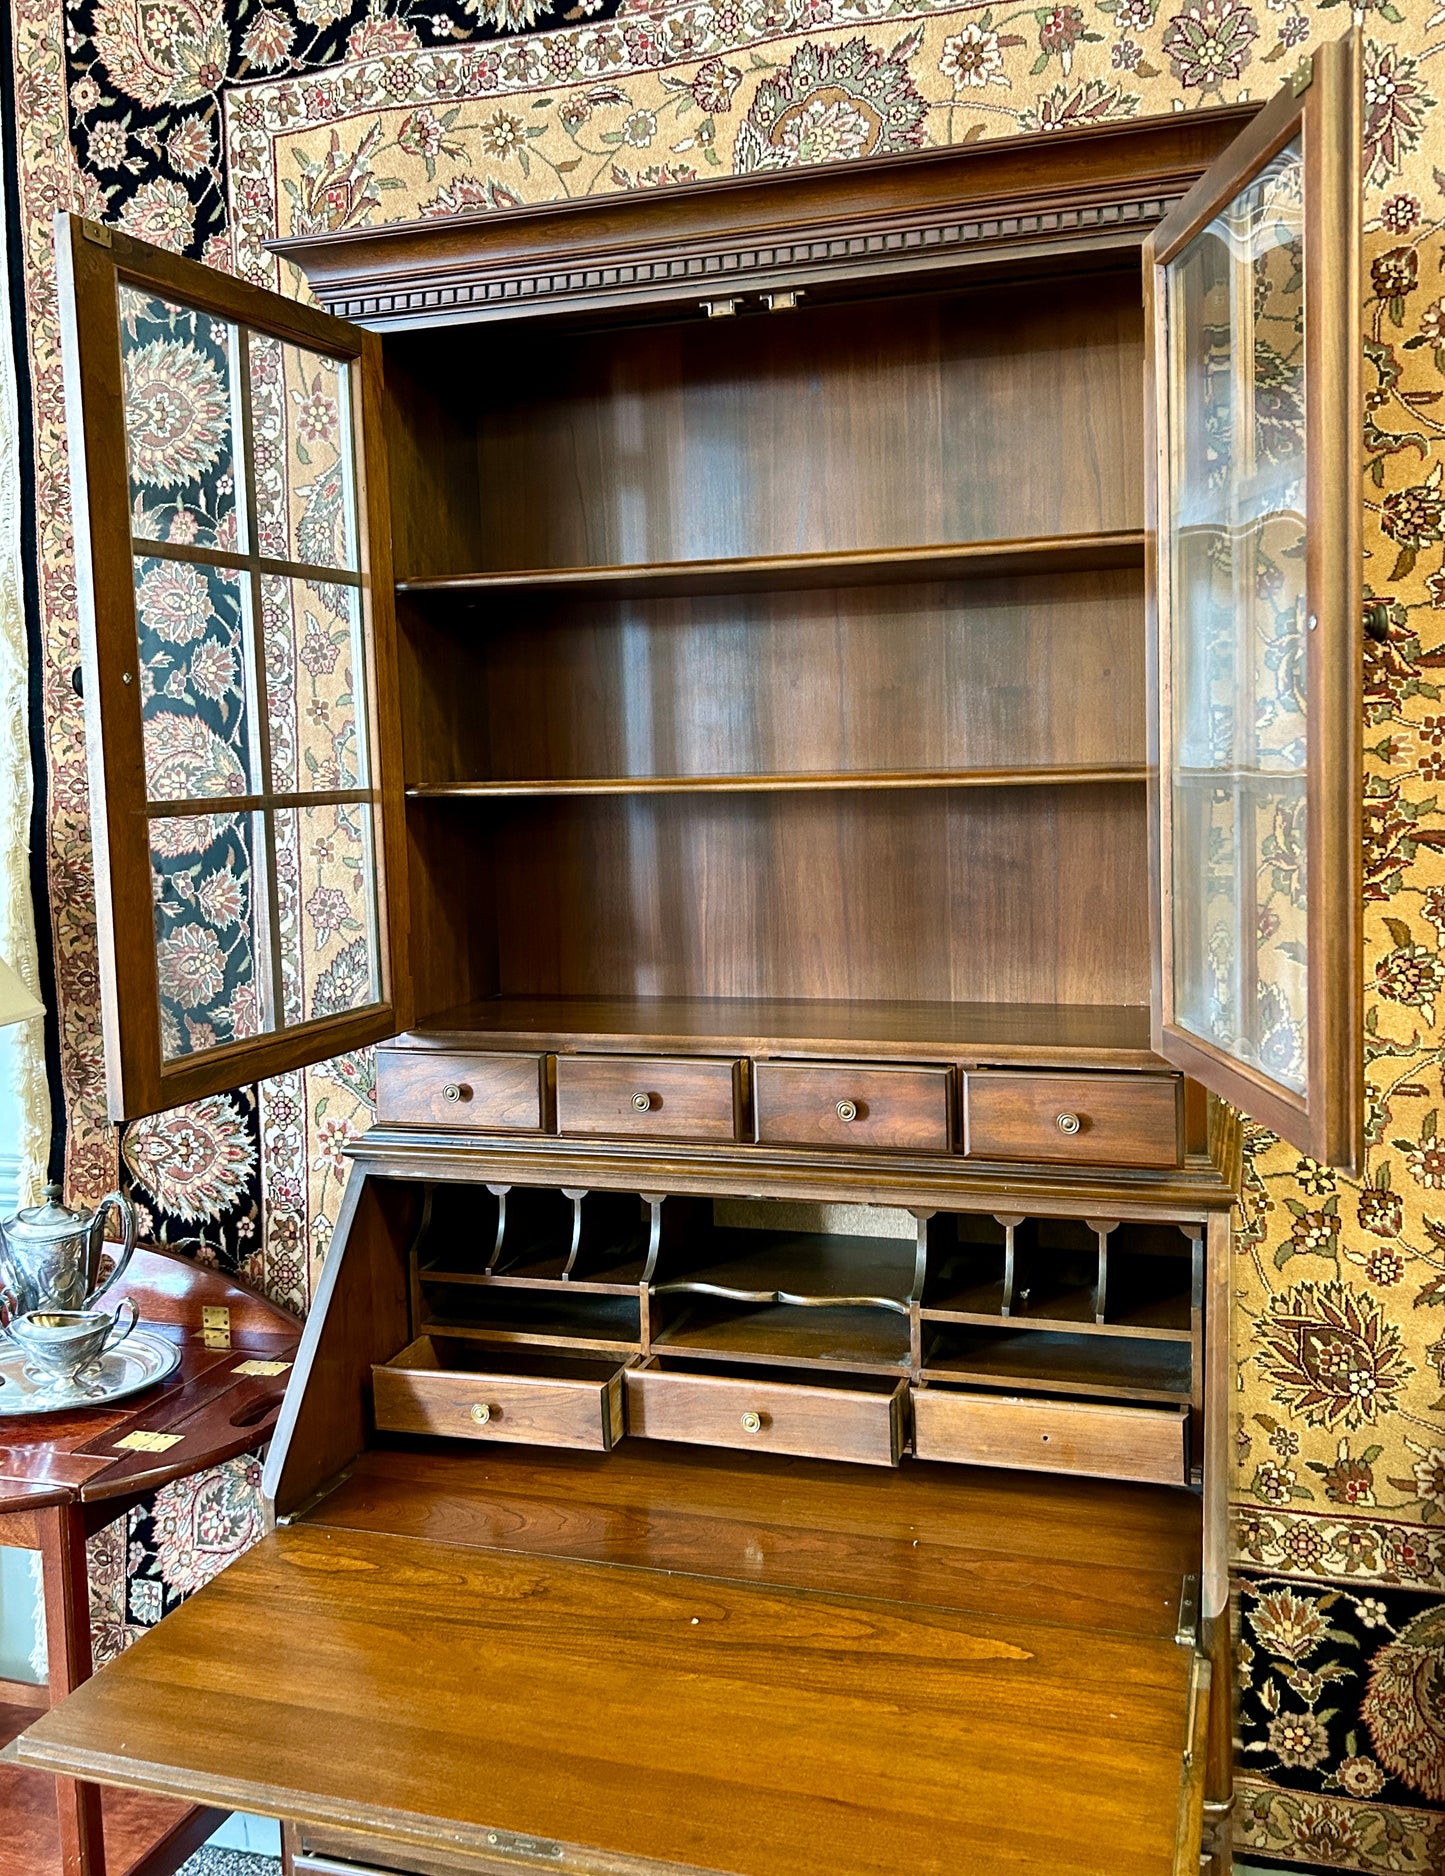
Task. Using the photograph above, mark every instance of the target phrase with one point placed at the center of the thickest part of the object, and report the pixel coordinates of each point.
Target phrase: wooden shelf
(1107, 1035)
(869, 1340)
(532, 1280)
(1072, 1311)
(886, 566)
(801, 1270)
(1057, 775)
(1060, 1363)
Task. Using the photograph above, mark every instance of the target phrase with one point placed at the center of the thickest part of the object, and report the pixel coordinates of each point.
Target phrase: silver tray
(141, 1360)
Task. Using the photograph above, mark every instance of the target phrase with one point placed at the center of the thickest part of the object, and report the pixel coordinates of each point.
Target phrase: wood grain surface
(864, 1425)
(1107, 1120)
(1086, 1437)
(440, 1693)
(494, 1092)
(848, 1104)
(647, 1097)
(1096, 1555)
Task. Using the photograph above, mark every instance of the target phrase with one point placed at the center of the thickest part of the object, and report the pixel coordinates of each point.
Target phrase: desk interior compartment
(463, 1389)
(856, 1417)
(1093, 1439)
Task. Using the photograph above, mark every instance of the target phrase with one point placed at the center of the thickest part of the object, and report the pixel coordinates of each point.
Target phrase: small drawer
(647, 1097)
(1101, 1120)
(858, 1417)
(849, 1104)
(463, 1389)
(1098, 1440)
(491, 1093)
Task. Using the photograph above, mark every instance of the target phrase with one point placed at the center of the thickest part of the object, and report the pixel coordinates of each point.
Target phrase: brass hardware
(456, 1091)
(1068, 1123)
(481, 1412)
(847, 1110)
(143, 1442)
(1186, 1631)
(215, 1326)
(719, 309)
(1303, 76)
(641, 1101)
(752, 1423)
(127, 677)
(513, 1845)
(255, 1367)
(781, 302)
(94, 231)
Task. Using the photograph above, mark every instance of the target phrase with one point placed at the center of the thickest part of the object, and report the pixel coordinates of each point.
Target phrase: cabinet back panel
(999, 413)
(1019, 672)
(1013, 895)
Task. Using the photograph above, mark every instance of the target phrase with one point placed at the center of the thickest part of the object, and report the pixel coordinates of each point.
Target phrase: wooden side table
(63, 1477)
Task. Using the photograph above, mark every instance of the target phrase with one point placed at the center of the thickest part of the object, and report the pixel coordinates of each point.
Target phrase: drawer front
(647, 1097)
(1103, 1120)
(1098, 1441)
(763, 1416)
(420, 1087)
(846, 1105)
(538, 1410)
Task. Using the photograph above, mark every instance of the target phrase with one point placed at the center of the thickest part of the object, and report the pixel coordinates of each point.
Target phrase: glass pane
(326, 896)
(1235, 312)
(181, 421)
(211, 937)
(313, 660)
(192, 625)
(301, 440)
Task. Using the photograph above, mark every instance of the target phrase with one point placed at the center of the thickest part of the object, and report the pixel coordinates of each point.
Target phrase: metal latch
(1303, 76)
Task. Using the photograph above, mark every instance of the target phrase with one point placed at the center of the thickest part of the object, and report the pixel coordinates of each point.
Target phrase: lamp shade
(16, 1002)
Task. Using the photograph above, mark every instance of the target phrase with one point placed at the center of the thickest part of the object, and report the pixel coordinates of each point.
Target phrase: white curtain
(24, 1100)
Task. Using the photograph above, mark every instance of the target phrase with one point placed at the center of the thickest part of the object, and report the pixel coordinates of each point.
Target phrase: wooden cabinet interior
(909, 790)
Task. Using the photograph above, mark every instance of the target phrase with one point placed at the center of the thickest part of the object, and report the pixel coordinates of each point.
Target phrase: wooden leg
(290, 1844)
(61, 1530)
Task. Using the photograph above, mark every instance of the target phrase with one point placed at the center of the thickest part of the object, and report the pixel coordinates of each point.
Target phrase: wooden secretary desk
(815, 718)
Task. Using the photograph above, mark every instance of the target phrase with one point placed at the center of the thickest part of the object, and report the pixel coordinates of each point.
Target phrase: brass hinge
(142, 1441)
(215, 1326)
(96, 232)
(1303, 76)
(1186, 1631)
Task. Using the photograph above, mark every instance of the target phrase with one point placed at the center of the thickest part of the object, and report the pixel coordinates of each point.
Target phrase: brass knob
(752, 1423)
(641, 1101)
(481, 1413)
(847, 1110)
(1068, 1123)
(456, 1091)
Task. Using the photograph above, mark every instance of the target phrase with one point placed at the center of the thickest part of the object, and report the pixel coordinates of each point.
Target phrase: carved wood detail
(929, 211)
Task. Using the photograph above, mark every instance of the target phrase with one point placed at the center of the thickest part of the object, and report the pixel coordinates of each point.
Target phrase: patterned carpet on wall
(212, 125)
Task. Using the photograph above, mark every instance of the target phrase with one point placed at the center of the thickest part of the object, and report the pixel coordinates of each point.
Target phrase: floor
(229, 1863)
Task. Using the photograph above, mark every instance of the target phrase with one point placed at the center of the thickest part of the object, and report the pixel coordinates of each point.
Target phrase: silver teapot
(50, 1256)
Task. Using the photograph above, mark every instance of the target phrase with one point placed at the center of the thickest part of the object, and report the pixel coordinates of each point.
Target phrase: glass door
(1253, 283)
(235, 584)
